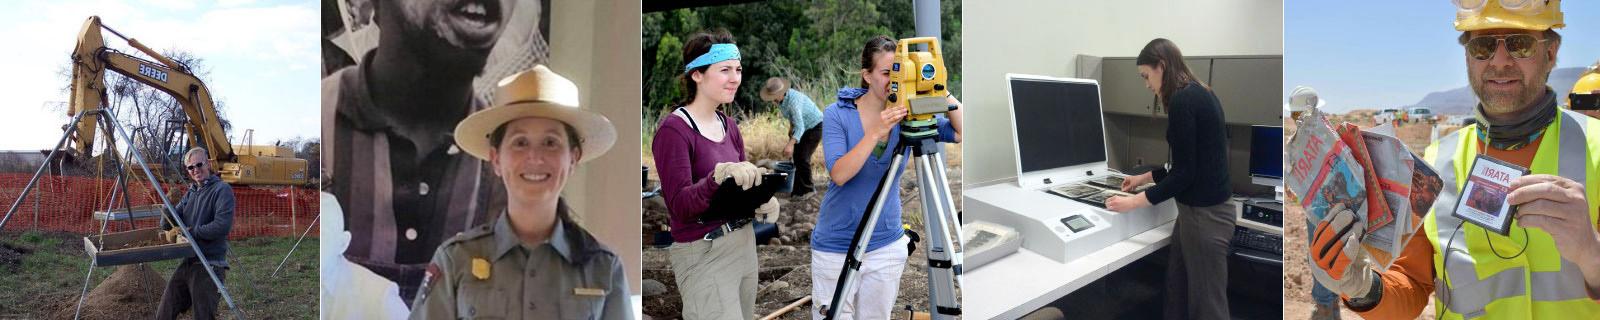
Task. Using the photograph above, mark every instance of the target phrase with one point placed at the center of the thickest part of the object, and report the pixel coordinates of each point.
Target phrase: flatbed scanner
(1062, 174)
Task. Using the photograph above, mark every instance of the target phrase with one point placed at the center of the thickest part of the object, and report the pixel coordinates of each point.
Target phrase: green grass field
(49, 278)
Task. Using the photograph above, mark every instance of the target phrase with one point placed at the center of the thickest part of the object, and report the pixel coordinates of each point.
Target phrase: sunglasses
(1520, 46)
(196, 166)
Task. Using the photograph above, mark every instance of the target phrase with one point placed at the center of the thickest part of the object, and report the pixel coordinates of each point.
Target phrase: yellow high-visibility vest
(1470, 281)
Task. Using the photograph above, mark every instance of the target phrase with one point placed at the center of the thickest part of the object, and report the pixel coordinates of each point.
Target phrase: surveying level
(923, 76)
(926, 93)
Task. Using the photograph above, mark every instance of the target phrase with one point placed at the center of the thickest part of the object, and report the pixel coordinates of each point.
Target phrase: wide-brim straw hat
(536, 93)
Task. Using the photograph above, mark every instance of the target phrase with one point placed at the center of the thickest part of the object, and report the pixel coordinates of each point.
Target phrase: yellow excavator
(92, 58)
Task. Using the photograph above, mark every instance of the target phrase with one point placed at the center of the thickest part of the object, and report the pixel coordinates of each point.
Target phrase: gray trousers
(1197, 271)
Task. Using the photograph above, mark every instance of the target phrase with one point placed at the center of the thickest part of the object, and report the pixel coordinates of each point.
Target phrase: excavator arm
(90, 61)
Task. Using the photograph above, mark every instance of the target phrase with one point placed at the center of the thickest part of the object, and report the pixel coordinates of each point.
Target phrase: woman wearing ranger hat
(535, 261)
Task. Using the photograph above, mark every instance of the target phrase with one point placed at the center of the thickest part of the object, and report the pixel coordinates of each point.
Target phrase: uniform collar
(505, 239)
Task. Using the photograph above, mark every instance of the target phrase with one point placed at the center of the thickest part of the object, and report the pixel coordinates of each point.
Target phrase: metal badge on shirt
(589, 292)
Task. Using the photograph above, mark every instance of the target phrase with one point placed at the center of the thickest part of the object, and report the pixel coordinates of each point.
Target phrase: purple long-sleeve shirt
(684, 160)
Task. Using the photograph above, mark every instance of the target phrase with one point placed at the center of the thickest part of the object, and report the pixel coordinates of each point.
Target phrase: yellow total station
(918, 80)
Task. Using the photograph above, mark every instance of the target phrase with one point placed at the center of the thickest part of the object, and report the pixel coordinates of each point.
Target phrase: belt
(726, 228)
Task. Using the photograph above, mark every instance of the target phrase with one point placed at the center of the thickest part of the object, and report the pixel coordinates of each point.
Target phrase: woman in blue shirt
(804, 121)
(851, 128)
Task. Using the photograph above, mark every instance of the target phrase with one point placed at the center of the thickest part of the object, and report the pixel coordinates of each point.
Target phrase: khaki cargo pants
(717, 278)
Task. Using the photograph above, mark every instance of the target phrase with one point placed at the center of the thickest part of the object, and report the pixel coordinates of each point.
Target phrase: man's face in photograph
(459, 33)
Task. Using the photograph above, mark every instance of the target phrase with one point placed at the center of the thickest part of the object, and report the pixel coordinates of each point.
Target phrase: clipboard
(731, 202)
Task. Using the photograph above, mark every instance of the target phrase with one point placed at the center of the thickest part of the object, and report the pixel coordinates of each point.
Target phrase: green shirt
(571, 276)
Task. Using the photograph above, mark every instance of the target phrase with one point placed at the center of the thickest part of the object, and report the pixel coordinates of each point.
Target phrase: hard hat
(1303, 98)
(1537, 15)
(1588, 82)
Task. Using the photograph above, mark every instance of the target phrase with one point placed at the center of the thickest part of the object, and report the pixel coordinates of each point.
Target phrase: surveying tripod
(112, 132)
(917, 138)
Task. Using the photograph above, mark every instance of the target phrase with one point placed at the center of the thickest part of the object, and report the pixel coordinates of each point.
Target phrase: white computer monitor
(1059, 129)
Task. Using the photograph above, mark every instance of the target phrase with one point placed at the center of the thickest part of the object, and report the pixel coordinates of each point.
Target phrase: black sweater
(1198, 140)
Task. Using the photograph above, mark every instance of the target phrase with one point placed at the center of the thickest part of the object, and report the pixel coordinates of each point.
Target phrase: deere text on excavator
(92, 58)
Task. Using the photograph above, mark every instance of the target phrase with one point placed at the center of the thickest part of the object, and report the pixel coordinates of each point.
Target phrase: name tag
(592, 292)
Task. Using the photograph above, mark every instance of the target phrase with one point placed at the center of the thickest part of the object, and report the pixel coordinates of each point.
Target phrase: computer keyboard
(1258, 240)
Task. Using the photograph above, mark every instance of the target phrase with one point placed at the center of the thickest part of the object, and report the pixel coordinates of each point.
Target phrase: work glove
(172, 235)
(745, 174)
(768, 212)
(1337, 260)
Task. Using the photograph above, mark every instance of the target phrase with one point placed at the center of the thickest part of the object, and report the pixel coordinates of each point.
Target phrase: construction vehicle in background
(273, 165)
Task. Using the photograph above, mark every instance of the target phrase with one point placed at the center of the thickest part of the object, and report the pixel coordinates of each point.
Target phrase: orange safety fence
(67, 204)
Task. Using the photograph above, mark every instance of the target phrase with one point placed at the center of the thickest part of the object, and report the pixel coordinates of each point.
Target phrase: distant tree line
(816, 45)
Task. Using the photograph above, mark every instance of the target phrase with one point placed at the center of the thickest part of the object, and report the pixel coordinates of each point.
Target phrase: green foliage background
(816, 44)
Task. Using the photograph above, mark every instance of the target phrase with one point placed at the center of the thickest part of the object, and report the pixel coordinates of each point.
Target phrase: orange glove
(1338, 262)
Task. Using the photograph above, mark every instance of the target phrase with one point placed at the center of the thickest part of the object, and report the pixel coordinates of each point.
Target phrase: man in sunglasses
(1547, 266)
(207, 210)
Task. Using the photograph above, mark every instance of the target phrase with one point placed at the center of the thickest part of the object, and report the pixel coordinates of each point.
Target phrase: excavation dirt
(11, 256)
(785, 262)
(132, 292)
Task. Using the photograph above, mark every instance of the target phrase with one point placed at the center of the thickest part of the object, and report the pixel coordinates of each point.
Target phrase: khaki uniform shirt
(489, 273)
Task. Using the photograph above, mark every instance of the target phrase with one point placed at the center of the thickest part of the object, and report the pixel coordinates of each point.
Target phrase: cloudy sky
(262, 57)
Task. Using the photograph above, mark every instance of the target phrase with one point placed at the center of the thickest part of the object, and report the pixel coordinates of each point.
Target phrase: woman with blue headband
(695, 150)
(851, 128)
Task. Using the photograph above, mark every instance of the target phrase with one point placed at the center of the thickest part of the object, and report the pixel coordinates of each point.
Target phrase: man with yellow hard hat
(1588, 84)
(1547, 263)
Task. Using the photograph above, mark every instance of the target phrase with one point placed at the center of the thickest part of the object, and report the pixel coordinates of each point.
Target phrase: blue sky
(263, 58)
(1371, 54)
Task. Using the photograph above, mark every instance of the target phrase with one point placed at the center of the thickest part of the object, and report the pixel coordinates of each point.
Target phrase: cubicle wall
(1248, 87)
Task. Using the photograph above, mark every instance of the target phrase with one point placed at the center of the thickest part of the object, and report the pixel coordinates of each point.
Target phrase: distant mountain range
(1461, 100)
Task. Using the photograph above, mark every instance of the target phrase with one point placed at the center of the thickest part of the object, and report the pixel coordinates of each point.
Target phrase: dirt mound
(132, 292)
(11, 256)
